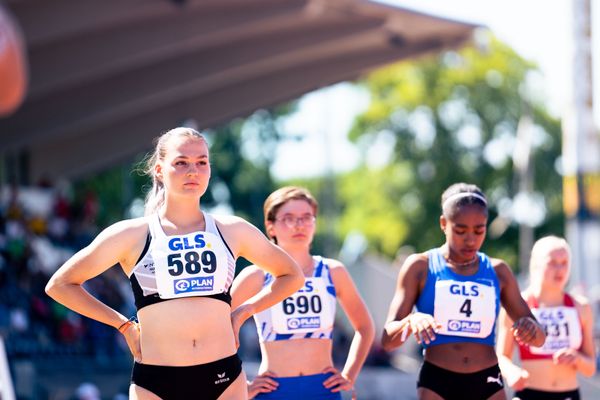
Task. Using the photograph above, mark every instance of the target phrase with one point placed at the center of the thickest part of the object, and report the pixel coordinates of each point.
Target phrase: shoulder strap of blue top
(485, 264)
(436, 261)
(319, 268)
(322, 270)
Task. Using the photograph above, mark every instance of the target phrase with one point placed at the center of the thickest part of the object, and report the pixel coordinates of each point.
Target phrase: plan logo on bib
(456, 325)
(196, 284)
(304, 323)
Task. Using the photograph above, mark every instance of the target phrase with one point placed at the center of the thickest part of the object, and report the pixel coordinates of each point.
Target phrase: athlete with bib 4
(295, 335)
(457, 291)
(181, 262)
(550, 372)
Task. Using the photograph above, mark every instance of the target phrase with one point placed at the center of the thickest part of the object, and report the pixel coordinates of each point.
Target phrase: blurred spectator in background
(87, 391)
(40, 228)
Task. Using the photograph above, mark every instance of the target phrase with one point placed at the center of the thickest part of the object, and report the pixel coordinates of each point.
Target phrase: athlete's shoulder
(503, 273)
(126, 227)
(414, 269)
(416, 261)
(333, 264)
(233, 225)
(337, 270)
(228, 220)
(580, 300)
(499, 265)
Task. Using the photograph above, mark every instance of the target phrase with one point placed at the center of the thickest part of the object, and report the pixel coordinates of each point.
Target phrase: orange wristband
(125, 325)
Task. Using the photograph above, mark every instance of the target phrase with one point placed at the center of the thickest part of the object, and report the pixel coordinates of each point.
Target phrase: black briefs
(204, 381)
(461, 386)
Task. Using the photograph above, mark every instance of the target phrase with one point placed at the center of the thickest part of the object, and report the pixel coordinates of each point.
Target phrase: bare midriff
(462, 357)
(296, 357)
(545, 375)
(187, 331)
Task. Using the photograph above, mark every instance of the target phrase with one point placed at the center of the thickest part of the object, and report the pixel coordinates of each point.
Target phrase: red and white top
(562, 325)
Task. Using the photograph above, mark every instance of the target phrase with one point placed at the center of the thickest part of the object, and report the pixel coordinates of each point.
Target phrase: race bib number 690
(311, 308)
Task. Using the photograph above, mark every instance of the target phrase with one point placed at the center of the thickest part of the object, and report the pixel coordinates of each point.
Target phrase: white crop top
(307, 314)
(171, 267)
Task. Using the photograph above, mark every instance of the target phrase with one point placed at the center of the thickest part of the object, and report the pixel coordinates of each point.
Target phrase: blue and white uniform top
(467, 307)
(307, 314)
(194, 264)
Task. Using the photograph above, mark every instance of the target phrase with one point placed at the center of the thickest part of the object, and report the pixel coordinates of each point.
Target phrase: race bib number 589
(189, 266)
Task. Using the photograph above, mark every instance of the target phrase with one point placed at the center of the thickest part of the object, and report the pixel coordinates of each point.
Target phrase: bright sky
(539, 30)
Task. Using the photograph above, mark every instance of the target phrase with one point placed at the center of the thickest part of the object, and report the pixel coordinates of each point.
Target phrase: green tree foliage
(447, 118)
(241, 154)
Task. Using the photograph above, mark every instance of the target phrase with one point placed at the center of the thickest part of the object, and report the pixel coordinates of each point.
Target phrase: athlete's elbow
(51, 288)
(55, 287)
(368, 330)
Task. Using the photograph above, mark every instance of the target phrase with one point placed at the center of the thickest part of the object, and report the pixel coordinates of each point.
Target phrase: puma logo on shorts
(498, 380)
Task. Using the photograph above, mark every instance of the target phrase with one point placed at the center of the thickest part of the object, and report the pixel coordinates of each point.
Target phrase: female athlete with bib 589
(550, 372)
(457, 291)
(180, 261)
(295, 335)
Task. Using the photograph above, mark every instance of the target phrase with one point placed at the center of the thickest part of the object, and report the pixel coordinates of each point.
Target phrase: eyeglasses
(291, 221)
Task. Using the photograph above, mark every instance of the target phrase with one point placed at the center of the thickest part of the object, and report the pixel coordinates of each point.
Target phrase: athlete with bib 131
(295, 335)
(550, 372)
(180, 261)
(457, 291)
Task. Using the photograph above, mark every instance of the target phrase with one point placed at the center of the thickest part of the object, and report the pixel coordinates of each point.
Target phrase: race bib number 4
(465, 309)
(190, 265)
(562, 327)
(310, 309)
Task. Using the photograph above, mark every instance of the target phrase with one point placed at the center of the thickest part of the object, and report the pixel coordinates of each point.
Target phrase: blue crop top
(466, 306)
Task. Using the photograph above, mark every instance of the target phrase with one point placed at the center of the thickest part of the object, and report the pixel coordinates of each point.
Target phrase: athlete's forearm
(540, 335)
(359, 350)
(76, 298)
(282, 287)
(585, 365)
(507, 367)
(395, 333)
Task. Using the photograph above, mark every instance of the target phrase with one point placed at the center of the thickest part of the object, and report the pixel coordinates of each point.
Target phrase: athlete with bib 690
(457, 291)
(549, 372)
(296, 334)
